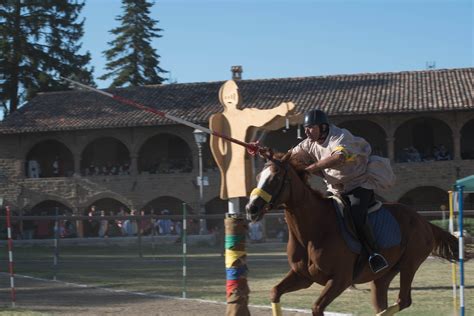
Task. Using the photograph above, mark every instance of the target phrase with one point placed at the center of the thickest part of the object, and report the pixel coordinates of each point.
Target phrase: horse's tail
(446, 246)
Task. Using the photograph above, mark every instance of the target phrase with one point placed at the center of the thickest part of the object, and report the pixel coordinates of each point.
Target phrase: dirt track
(66, 299)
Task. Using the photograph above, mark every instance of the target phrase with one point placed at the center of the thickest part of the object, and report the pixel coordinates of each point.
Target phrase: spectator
(34, 169)
(443, 153)
(127, 229)
(145, 225)
(413, 155)
(133, 223)
(255, 232)
(283, 232)
(178, 228)
(70, 226)
(164, 224)
(104, 225)
(56, 166)
(29, 227)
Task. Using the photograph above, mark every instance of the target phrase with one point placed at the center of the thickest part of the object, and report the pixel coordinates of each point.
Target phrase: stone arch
(165, 153)
(105, 156)
(468, 201)
(108, 206)
(45, 228)
(425, 198)
(49, 158)
(371, 132)
(216, 206)
(170, 205)
(423, 134)
(48, 207)
(111, 206)
(467, 140)
(107, 196)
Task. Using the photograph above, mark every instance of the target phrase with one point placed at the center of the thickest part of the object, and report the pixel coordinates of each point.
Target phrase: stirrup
(377, 262)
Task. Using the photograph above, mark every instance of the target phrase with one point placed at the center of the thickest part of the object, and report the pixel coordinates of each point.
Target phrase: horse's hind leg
(379, 290)
(407, 274)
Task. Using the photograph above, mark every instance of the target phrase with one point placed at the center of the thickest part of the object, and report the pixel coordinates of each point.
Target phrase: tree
(131, 60)
(39, 40)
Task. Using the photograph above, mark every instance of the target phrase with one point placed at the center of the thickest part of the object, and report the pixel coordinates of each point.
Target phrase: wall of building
(136, 190)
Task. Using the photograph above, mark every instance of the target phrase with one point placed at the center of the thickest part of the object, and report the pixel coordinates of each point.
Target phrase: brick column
(77, 164)
(456, 145)
(79, 226)
(391, 148)
(133, 164)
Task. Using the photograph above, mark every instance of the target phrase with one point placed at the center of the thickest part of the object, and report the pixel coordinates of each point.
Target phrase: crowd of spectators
(129, 227)
(109, 169)
(166, 165)
(437, 153)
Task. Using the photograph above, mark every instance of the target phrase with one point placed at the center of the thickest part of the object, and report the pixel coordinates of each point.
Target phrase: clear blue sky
(202, 39)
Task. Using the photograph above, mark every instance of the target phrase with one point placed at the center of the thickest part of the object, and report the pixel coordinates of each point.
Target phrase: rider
(342, 159)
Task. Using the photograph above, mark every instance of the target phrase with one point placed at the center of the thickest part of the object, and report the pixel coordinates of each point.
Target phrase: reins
(267, 197)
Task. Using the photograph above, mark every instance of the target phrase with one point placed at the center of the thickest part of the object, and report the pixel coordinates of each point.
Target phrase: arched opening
(109, 228)
(426, 198)
(469, 201)
(216, 206)
(47, 228)
(168, 205)
(164, 153)
(49, 158)
(467, 140)
(105, 156)
(371, 132)
(423, 139)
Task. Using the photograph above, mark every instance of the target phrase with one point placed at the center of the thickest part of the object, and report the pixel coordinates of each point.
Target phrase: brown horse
(317, 251)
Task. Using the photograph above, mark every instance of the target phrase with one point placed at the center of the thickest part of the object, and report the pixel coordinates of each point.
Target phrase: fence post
(10, 256)
(56, 249)
(460, 190)
(184, 250)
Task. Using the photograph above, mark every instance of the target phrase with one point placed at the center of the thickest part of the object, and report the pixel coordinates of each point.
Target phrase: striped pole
(460, 190)
(453, 265)
(10, 256)
(237, 289)
(184, 250)
(56, 249)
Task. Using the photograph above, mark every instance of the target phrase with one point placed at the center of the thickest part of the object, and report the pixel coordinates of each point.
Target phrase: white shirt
(353, 172)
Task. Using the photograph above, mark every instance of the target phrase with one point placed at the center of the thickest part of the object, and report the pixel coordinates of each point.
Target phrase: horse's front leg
(332, 289)
(291, 282)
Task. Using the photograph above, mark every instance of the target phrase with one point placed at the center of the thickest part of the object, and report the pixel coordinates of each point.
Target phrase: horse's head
(271, 189)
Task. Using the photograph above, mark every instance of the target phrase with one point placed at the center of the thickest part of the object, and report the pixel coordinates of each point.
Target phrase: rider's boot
(377, 262)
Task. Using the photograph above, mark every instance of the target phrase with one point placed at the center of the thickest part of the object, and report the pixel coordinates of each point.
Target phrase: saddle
(385, 227)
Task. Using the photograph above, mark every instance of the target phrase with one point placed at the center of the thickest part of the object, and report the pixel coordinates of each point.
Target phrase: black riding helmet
(315, 117)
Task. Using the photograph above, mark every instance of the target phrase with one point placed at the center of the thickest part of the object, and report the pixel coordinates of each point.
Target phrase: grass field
(159, 271)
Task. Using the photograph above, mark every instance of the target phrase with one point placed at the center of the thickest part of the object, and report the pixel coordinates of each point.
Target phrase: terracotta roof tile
(402, 92)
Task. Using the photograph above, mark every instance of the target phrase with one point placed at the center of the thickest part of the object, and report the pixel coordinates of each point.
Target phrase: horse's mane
(299, 163)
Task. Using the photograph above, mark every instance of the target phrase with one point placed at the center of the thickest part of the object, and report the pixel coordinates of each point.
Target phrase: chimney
(236, 72)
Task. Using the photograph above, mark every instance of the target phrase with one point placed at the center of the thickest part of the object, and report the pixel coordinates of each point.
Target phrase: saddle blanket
(384, 225)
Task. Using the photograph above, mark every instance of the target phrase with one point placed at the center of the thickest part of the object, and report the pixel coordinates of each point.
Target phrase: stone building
(76, 149)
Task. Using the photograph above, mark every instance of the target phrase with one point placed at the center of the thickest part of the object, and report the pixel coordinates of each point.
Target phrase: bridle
(271, 198)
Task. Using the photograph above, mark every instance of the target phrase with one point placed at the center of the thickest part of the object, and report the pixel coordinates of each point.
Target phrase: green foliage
(38, 41)
(131, 58)
(468, 224)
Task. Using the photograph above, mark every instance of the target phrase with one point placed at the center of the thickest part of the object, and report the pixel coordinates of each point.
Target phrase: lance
(252, 147)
